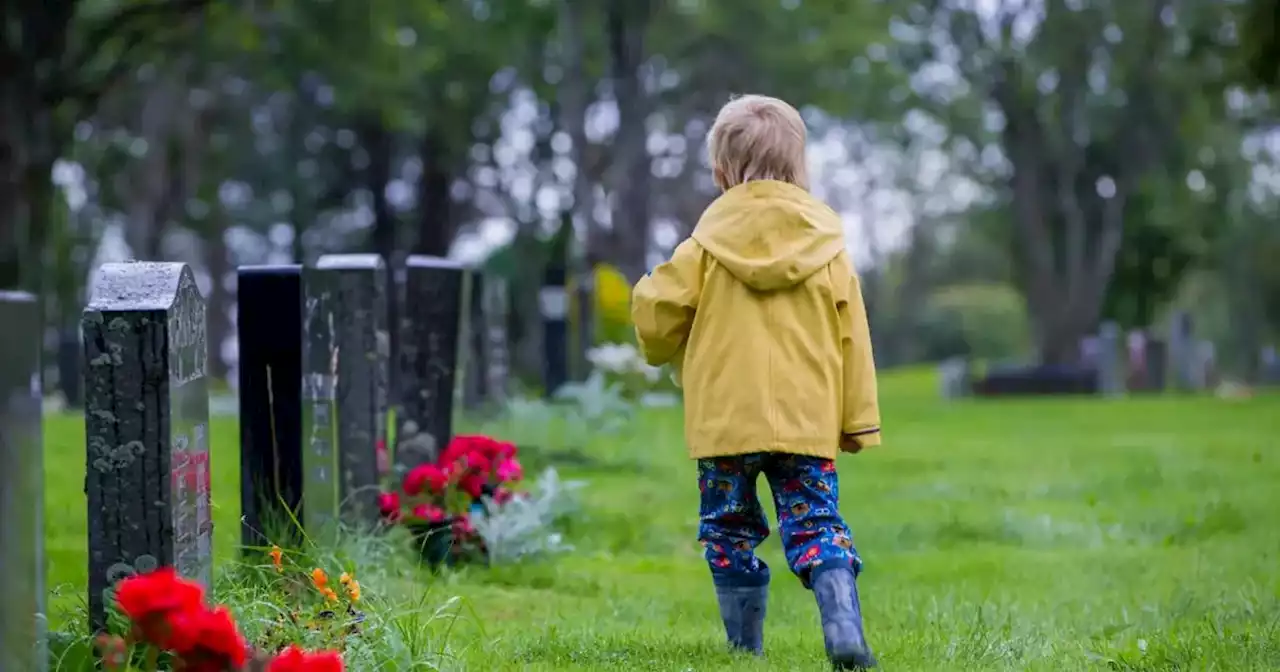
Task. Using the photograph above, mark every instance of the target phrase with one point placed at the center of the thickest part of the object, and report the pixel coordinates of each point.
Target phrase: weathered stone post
(23, 619)
(437, 298)
(269, 328)
(345, 369)
(495, 307)
(146, 427)
(1110, 368)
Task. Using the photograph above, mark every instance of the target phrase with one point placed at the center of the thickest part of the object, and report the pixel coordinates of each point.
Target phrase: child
(763, 318)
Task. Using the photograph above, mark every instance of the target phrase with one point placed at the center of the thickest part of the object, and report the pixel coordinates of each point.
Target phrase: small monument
(269, 328)
(345, 371)
(146, 427)
(23, 622)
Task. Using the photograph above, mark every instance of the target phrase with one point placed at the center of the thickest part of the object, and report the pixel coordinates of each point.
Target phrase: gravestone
(495, 306)
(1111, 377)
(553, 306)
(146, 419)
(1203, 367)
(269, 331)
(22, 611)
(432, 351)
(1269, 362)
(953, 377)
(70, 372)
(1136, 378)
(1157, 364)
(345, 369)
(474, 381)
(1181, 350)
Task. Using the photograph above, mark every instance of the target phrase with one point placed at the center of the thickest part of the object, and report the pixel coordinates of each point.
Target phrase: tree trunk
(627, 22)
(436, 225)
(218, 263)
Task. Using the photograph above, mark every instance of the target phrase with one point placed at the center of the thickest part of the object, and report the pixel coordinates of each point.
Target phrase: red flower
(207, 640)
(149, 600)
(463, 528)
(382, 455)
(389, 505)
(502, 495)
(294, 659)
(426, 476)
(429, 513)
(473, 484)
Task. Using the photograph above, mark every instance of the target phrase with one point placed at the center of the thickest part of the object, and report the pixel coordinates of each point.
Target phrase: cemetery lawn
(1016, 535)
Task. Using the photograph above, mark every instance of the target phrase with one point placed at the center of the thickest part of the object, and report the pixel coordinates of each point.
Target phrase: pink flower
(509, 470)
(389, 505)
(502, 496)
(426, 476)
(429, 513)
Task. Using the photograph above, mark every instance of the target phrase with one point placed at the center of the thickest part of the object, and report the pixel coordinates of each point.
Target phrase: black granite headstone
(22, 611)
(497, 350)
(269, 329)
(431, 354)
(146, 427)
(345, 368)
(553, 305)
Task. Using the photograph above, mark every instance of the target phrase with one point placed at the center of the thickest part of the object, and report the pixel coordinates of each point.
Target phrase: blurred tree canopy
(1095, 158)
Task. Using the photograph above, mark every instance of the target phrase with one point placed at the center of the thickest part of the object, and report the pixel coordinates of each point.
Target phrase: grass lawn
(1024, 535)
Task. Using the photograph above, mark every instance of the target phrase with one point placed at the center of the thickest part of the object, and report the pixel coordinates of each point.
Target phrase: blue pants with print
(805, 492)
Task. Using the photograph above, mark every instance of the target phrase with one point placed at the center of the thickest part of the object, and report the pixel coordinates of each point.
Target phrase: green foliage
(984, 321)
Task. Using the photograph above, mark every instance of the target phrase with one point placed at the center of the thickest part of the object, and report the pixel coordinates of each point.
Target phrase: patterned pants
(805, 492)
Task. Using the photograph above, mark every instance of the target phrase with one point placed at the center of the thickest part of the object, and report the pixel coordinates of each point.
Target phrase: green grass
(1140, 534)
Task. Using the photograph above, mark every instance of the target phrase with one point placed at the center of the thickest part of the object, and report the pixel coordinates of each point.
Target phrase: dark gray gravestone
(474, 381)
(497, 351)
(146, 427)
(345, 368)
(431, 354)
(22, 611)
(1109, 363)
(269, 329)
(1181, 350)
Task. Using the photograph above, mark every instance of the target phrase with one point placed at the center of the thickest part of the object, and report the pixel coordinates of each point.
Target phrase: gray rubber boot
(837, 593)
(742, 608)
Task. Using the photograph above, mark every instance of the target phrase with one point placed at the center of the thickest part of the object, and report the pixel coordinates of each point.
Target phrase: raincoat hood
(770, 235)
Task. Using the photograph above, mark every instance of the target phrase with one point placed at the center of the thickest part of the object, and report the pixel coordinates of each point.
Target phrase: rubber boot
(837, 593)
(742, 608)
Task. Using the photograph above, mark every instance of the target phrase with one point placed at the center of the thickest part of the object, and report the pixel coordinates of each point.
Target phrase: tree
(59, 58)
(1088, 105)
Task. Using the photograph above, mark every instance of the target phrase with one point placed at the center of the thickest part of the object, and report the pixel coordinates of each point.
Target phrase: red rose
(389, 505)
(207, 640)
(463, 528)
(429, 513)
(426, 477)
(294, 659)
(150, 599)
(473, 484)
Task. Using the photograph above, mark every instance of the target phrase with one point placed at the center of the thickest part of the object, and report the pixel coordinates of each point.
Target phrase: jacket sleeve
(664, 301)
(861, 417)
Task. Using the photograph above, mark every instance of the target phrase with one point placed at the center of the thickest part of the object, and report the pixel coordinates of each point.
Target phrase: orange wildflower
(344, 579)
(277, 558)
(319, 578)
(353, 590)
(329, 594)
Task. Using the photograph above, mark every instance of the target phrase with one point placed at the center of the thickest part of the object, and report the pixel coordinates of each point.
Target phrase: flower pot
(434, 542)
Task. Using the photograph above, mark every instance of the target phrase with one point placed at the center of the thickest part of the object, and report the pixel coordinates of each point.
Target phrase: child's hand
(849, 444)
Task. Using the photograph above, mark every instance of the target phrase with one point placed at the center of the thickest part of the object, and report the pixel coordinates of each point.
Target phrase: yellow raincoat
(763, 318)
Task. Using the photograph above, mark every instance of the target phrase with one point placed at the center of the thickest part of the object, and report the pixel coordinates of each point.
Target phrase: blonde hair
(757, 138)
